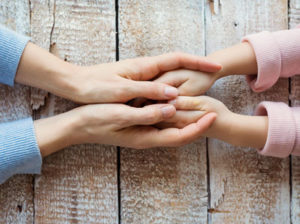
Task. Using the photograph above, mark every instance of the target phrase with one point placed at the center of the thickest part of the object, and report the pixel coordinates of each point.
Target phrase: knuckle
(181, 123)
(156, 89)
(178, 55)
(118, 118)
(124, 92)
(118, 92)
(152, 116)
(184, 91)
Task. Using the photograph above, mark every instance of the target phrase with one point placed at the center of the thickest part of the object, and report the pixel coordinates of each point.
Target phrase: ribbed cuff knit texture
(11, 48)
(19, 152)
(281, 131)
(268, 61)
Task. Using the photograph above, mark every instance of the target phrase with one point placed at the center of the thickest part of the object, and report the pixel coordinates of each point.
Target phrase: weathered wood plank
(294, 16)
(245, 187)
(16, 204)
(79, 184)
(163, 185)
(41, 21)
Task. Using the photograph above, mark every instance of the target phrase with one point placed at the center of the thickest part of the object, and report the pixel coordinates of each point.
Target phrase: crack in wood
(215, 6)
(53, 24)
(212, 210)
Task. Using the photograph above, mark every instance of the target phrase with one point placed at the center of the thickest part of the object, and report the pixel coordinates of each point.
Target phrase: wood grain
(163, 185)
(294, 16)
(245, 187)
(42, 21)
(79, 184)
(16, 194)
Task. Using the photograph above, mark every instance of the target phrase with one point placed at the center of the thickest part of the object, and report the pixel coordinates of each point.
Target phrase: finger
(190, 88)
(188, 103)
(172, 61)
(171, 137)
(173, 78)
(205, 122)
(149, 67)
(148, 115)
(188, 83)
(181, 119)
(152, 90)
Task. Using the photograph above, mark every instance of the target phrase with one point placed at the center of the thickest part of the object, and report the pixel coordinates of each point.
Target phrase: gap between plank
(206, 139)
(119, 182)
(290, 104)
(117, 29)
(118, 147)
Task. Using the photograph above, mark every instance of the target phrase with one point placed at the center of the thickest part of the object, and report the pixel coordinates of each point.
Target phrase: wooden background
(205, 182)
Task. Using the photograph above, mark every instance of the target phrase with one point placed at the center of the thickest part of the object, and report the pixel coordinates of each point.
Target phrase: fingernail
(171, 91)
(167, 111)
(172, 102)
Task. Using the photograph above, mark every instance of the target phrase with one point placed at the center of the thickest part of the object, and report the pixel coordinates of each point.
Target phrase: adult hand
(115, 124)
(128, 79)
(103, 83)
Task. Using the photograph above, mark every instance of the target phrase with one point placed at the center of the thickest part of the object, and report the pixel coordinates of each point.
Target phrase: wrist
(38, 68)
(238, 59)
(219, 57)
(248, 131)
(223, 127)
(57, 132)
(240, 130)
(61, 80)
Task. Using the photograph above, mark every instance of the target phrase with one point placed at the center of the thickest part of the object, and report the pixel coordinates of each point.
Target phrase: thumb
(153, 90)
(206, 121)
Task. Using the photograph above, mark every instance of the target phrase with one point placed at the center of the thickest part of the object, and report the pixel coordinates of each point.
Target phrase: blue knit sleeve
(11, 48)
(19, 152)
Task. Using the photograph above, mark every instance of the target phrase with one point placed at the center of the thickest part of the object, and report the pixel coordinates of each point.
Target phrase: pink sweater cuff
(282, 131)
(296, 113)
(277, 55)
(268, 61)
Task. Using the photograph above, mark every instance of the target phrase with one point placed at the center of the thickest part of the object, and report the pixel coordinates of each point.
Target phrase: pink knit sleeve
(283, 131)
(277, 55)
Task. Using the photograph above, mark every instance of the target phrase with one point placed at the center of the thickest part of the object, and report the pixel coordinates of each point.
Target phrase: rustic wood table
(205, 182)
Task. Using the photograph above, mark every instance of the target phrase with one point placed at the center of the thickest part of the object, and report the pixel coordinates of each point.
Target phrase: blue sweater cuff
(19, 152)
(11, 48)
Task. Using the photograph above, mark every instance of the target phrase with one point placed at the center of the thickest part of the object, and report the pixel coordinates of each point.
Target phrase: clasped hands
(175, 80)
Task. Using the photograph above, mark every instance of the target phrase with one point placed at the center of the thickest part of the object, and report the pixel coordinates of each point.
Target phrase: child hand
(191, 109)
(236, 129)
(189, 82)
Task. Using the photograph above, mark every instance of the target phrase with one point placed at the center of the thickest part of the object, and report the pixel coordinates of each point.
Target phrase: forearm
(41, 69)
(57, 132)
(242, 130)
(238, 59)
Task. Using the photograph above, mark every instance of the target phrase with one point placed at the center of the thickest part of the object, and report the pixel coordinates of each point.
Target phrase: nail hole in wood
(19, 208)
